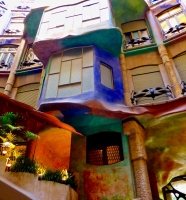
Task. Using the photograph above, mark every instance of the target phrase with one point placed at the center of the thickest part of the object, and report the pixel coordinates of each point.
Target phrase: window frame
(101, 141)
(167, 20)
(133, 41)
(6, 50)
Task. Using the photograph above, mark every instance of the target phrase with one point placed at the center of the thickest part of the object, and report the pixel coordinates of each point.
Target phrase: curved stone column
(170, 71)
(125, 79)
(138, 155)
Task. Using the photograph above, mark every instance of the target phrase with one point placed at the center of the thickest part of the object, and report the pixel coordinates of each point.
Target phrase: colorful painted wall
(106, 182)
(52, 148)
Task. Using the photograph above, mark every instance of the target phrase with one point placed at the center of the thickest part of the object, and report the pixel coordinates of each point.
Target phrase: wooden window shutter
(145, 78)
(180, 63)
(28, 94)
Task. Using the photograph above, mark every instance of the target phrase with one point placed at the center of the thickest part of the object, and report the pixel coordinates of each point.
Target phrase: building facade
(115, 71)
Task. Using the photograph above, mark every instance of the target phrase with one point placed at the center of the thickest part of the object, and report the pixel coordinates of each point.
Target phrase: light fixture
(8, 164)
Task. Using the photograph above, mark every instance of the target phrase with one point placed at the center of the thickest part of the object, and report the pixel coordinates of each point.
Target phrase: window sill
(140, 47)
(175, 37)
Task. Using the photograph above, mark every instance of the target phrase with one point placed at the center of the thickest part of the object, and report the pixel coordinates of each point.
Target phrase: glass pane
(69, 90)
(88, 79)
(78, 9)
(46, 16)
(174, 11)
(17, 27)
(70, 11)
(52, 83)
(106, 76)
(173, 22)
(104, 14)
(135, 35)
(95, 10)
(3, 59)
(77, 21)
(103, 4)
(163, 16)
(55, 63)
(51, 31)
(164, 26)
(182, 18)
(43, 28)
(87, 56)
(60, 18)
(69, 23)
(57, 19)
(10, 59)
(144, 33)
(65, 73)
(86, 12)
(76, 71)
(127, 36)
(72, 54)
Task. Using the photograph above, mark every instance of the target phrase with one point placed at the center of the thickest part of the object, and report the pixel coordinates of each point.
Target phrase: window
(2, 89)
(106, 76)
(30, 59)
(135, 34)
(28, 94)
(71, 73)
(180, 61)
(147, 77)
(6, 57)
(104, 148)
(15, 27)
(154, 1)
(74, 16)
(172, 22)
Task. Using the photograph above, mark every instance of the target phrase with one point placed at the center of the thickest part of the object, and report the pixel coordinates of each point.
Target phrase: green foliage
(23, 164)
(30, 136)
(8, 118)
(57, 176)
(50, 175)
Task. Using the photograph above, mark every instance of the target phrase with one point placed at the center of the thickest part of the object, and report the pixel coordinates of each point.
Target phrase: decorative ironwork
(137, 41)
(30, 59)
(12, 31)
(169, 189)
(151, 92)
(23, 7)
(183, 84)
(175, 29)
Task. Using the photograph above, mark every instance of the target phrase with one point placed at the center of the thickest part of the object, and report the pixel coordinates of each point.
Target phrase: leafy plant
(60, 176)
(30, 136)
(23, 164)
(51, 175)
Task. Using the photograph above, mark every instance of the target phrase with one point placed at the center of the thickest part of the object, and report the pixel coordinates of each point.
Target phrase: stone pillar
(11, 78)
(176, 87)
(136, 135)
(125, 79)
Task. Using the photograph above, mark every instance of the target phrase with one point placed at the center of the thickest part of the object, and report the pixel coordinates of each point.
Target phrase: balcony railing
(143, 41)
(150, 93)
(175, 30)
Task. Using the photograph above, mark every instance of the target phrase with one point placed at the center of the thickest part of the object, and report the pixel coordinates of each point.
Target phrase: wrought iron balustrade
(153, 93)
(137, 42)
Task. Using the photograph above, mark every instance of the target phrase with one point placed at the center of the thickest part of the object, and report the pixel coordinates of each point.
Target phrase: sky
(38, 3)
